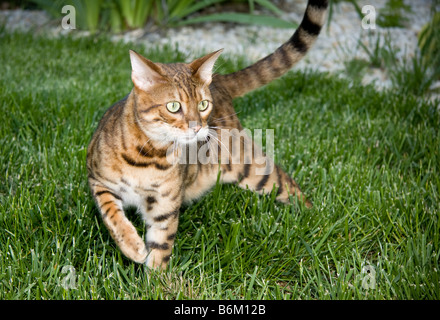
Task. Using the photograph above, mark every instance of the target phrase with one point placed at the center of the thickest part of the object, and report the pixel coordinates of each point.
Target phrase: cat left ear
(145, 74)
(202, 67)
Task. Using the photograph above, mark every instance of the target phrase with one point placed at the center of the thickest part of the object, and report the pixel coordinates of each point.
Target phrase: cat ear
(145, 74)
(202, 67)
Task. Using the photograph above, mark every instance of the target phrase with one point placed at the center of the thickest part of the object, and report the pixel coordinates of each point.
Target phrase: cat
(135, 155)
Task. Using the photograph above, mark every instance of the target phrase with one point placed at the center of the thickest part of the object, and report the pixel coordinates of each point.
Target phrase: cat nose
(195, 126)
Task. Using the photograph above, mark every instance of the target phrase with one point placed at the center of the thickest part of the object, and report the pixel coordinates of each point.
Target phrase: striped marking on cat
(151, 108)
(157, 246)
(280, 183)
(100, 193)
(149, 152)
(160, 218)
(138, 164)
(150, 201)
(262, 183)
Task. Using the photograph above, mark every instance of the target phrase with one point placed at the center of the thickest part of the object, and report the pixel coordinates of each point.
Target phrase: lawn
(369, 160)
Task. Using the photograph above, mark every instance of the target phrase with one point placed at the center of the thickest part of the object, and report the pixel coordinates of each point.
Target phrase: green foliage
(134, 12)
(331, 9)
(241, 18)
(380, 53)
(176, 10)
(392, 15)
(119, 15)
(51, 7)
(414, 75)
(429, 43)
(356, 68)
(87, 13)
(367, 159)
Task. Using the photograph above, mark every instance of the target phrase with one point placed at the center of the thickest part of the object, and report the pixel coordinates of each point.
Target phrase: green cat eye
(203, 105)
(173, 106)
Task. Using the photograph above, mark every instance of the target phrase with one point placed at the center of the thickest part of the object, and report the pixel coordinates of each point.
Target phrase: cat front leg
(160, 241)
(120, 228)
(162, 219)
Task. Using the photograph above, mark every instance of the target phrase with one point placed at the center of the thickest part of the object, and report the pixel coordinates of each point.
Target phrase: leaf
(270, 6)
(308, 248)
(115, 20)
(92, 10)
(52, 7)
(180, 12)
(243, 19)
(142, 10)
(251, 284)
(127, 11)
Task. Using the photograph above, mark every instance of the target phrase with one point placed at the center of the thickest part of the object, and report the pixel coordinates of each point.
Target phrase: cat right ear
(145, 74)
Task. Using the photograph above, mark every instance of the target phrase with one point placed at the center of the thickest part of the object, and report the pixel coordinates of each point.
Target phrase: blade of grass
(241, 18)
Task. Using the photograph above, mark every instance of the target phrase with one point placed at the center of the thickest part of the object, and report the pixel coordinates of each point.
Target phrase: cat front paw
(157, 260)
(135, 251)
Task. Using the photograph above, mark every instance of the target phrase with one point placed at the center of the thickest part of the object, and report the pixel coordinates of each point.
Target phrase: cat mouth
(188, 140)
(191, 138)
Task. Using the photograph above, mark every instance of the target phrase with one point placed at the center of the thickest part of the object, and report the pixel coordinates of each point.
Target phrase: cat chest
(140, 187)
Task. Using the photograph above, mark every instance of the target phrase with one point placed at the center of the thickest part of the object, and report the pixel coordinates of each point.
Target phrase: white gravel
(336, 44)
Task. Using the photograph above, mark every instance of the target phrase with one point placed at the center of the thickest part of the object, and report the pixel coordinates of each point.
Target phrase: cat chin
(193, 138)
(188, 141)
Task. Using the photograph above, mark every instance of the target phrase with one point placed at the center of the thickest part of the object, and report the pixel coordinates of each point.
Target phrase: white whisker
(227, 116)
(218, 140)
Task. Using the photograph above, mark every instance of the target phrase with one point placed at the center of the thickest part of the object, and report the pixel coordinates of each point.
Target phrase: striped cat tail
(283, 59)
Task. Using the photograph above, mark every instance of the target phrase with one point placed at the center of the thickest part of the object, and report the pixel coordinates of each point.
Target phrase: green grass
(369, 161)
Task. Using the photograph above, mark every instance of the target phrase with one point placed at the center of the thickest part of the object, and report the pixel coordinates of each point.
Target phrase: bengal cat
(135, 155)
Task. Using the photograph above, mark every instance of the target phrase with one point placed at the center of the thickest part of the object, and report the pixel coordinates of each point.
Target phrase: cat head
(173, 101)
